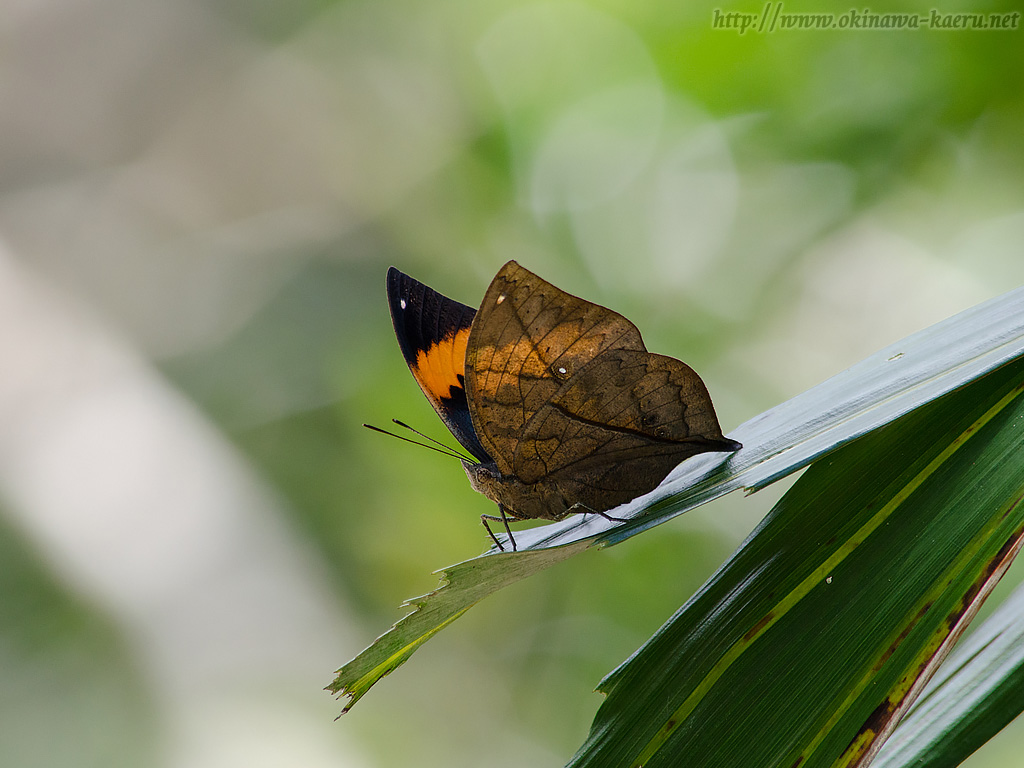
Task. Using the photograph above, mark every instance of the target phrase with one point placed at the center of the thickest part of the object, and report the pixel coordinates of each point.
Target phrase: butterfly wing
(617, 429)
(564, 393)
(432, 332)
(527, 340)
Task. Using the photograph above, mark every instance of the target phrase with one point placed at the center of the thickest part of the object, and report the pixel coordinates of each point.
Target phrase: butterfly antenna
(447, 451)
(436, 442)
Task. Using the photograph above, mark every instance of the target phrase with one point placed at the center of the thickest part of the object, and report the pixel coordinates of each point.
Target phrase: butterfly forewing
(528, 339)
(433, 332)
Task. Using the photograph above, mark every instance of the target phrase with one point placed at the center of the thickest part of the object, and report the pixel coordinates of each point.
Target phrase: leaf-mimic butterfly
(557, 399)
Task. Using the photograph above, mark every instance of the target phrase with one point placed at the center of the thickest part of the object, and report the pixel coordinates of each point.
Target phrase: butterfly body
(516, 499)
(556, 398)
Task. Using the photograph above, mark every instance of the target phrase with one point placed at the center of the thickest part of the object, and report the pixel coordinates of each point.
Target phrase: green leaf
(780, 441)
(975, 694)
(461, 587)
(813, 639)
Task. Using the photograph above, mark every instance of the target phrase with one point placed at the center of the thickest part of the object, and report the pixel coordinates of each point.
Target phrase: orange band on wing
(439, 368)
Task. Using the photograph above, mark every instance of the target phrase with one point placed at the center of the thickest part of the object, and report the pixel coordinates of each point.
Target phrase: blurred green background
(198, 203)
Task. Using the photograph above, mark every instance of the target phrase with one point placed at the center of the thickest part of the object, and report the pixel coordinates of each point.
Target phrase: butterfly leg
(484, 519)
(504, 519)
(583, 509)
(606, 516)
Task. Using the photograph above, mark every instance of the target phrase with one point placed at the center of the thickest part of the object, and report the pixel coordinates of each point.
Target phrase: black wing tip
(400, 285)
(394, 280)
(400, 288)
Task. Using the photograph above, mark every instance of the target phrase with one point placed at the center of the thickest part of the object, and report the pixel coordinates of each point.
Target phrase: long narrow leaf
(807, 646)
(975, 694)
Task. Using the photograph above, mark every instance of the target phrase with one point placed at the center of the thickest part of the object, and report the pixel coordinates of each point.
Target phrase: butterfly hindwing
(618, 428)
(433, 332)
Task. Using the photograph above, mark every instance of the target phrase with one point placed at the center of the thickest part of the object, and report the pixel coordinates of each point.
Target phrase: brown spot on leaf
(755, 630)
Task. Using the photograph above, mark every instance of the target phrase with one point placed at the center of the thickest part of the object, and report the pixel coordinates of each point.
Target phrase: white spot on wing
(402, 302)
(501, 298)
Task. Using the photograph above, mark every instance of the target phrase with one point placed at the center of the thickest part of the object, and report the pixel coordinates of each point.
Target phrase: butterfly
(556, 399)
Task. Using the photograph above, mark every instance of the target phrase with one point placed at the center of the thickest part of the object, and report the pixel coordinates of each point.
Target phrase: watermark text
(773, 18)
